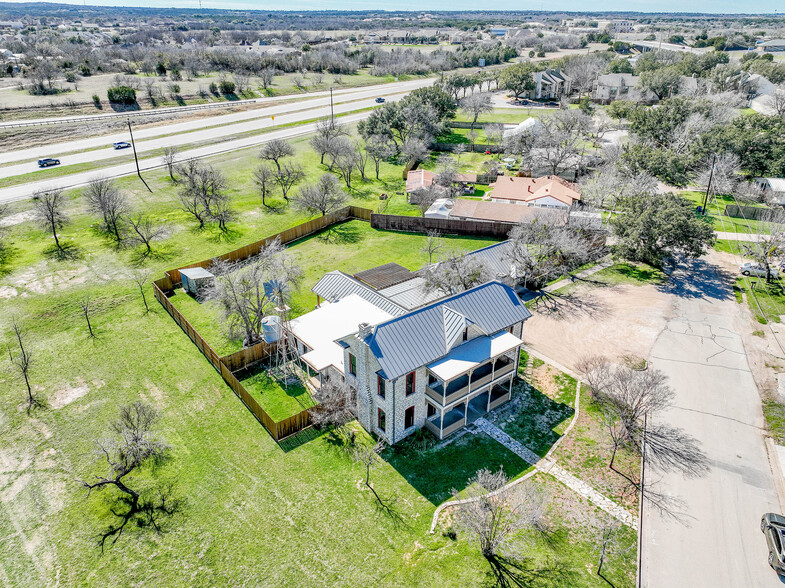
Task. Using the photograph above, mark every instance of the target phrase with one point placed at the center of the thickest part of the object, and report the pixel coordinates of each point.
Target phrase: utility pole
(332, 112)
(708, 187)
(136, 159)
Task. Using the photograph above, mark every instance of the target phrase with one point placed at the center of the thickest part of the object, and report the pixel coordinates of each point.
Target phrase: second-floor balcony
(471, 367)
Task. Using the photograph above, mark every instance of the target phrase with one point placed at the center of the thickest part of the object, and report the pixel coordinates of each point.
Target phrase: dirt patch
(8, 292)
(17, 219)
(613, 321)
(67, 395)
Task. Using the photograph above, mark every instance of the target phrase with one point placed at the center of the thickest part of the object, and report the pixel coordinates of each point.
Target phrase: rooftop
(472, 353)
(320, 328)
(530, 189)
(425, 335)
(384, 276)
(505, 213)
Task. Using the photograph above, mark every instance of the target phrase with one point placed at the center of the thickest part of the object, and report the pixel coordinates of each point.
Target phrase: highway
(225, 133)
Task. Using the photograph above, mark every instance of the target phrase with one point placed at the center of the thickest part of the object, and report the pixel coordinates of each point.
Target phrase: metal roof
(336, 285)
(411, 294)
(195, 273)
(418, 338)
(385, 275)
(496, 258)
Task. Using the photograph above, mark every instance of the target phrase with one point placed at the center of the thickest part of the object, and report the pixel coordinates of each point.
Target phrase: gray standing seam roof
(495, 257)
(411, 294)
(336, 285)
(418, 338)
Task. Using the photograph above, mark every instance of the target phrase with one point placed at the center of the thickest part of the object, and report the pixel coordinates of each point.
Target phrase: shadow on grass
(509, 572)
(533, 419)
(640, 274)
(140, 256)
(66, 251)
(7, 255)
(342, 234)
(300, 438)
(437, 472)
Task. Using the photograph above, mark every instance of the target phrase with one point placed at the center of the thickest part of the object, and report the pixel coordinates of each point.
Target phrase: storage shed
(195, 279)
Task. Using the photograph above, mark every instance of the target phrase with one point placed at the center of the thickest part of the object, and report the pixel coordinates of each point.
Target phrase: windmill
(276, 328)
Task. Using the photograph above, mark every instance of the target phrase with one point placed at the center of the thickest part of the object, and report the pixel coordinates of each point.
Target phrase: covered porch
(442, 422)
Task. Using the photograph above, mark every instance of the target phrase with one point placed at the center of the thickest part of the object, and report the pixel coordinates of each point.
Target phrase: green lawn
(277, 401)
(255, 512)
(716, 209)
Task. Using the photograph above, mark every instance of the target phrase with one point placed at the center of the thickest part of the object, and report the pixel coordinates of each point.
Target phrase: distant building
(621, 26)
(772, 46)
(773, 189)
(500, 212)
(616, 86)
(546, 191)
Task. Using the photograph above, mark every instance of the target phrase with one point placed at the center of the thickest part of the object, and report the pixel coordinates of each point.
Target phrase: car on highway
(380, 100)
(773, 527)
(754, 269)
(121, 145)
(47, 161)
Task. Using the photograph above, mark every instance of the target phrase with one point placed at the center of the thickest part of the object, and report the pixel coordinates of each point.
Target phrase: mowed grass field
(255, 512)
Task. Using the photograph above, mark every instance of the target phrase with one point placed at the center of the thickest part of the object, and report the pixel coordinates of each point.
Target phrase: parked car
(380, 100)
(753, 269)
(47, 161)
(773, 527)
(121, 145)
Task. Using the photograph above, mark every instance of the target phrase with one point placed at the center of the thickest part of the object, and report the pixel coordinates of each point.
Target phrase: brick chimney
(364, 330)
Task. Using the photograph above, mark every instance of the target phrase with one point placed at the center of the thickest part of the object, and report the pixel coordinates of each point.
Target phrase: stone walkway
(547, 465)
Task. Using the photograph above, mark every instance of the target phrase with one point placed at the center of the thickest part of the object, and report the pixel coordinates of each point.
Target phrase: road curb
(776, 470)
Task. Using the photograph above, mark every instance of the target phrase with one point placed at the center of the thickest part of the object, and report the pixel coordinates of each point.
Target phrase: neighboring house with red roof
(479, 210)
(545, 192)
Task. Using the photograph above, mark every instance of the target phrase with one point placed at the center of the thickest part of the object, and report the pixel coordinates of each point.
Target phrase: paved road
(668, 46)
(194, 131)
(379, 88)
(22, 191)
(716, 401)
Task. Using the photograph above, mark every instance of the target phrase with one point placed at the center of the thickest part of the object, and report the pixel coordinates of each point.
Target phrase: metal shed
(195, 279)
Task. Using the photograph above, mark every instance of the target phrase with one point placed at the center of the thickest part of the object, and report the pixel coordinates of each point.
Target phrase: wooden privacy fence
(278, 430)
(755, 213)
(477, 147)
(287, 236)
(239, 360)
(418, 224)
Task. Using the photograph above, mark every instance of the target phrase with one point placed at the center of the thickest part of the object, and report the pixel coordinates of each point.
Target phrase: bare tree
(141, 277)
(169, 159)
(414, 150)
(561, 143)
(609, 185)
(241, 81)
(476, 105)
(379, 148)
(346, 162)
(496, 517)
(723, 171)
(50, 213)
(360, 160)
(104, 199)
(145, 231)
(495, 133)
(457, 273)
(240, 294)
(776, 101)
(264, 178)
(326, 132)
(275, 150)
(433, 244)
(203, 193)
(86, 305)
(23, 362)
(289, 175)
(339, 148)
(335, 404)
(542, 250)
(133, 448)
(266, 77)
(628, 397)
(322, 197)
(368, 456)
(447, 175)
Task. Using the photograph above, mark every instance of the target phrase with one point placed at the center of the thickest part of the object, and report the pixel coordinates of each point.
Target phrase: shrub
(226, 87)
(174, 88)
(213, 88)
(121, 95)
(96, 99)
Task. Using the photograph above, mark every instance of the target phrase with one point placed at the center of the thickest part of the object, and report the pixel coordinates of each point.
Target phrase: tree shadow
(570, 305)
(118, 107)
(66, 252)
(343, 234)
(507, 572)
(140, 256)
(697, 278)
(7, 255)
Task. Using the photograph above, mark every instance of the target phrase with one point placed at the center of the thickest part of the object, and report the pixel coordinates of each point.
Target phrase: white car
(753, 269)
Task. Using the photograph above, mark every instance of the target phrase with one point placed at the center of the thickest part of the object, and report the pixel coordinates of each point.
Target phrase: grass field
(256, 513)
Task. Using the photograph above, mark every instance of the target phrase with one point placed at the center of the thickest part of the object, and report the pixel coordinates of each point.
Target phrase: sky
(705, 6)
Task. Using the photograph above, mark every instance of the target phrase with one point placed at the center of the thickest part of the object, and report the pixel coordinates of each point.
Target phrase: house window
(466, 333)
(382, 421)
(380, 386)
(352, 365)
(431, 410)
(408, 418)
(409, 384)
